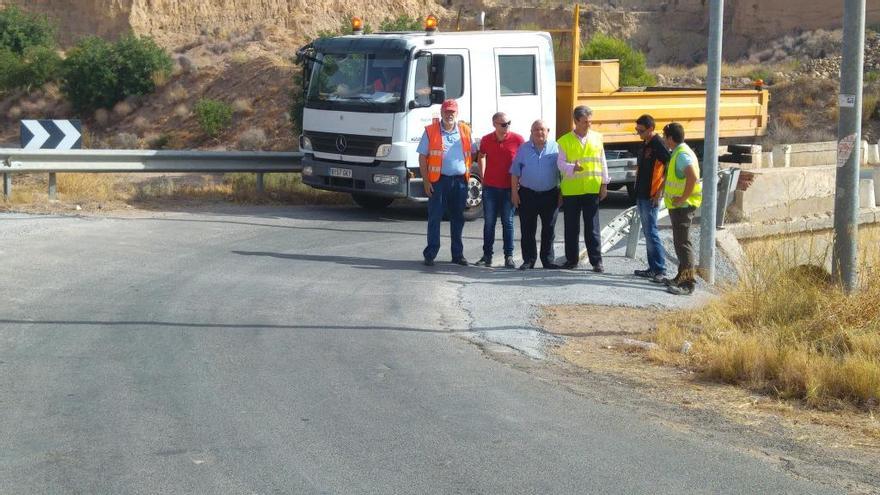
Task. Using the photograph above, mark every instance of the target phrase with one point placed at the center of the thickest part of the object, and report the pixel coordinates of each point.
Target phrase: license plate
(340, 172)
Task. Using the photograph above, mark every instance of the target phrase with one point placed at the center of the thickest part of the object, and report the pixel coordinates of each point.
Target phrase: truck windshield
(358, 82)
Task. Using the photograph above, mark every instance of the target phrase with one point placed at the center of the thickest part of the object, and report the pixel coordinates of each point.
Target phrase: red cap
(449, 105)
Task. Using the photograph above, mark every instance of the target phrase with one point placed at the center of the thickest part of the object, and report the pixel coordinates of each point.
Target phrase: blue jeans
(450, 194)
(495, 201)
(656, 253)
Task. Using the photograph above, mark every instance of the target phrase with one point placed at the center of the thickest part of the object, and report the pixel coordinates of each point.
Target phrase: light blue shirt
(536, 169)
(683, 161)
(453, 154)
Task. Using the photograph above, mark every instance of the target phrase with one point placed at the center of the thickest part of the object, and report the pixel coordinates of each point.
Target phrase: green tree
(401, 23)
(98, 74)
(11, 69)
(20, 30)
(633, 68)
(214, 116)
(40, 65)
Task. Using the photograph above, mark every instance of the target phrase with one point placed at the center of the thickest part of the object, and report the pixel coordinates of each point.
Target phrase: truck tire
(372, 203)
(473, 208)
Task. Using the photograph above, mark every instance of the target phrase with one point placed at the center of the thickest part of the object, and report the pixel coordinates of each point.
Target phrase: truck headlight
(390, 180)
(383, 150)
(307, 170)
(305, 143)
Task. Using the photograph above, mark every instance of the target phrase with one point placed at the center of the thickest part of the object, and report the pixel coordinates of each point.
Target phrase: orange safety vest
(435, 149)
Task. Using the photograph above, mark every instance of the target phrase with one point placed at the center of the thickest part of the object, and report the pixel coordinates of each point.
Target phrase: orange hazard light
(357, 24)
(431, 23)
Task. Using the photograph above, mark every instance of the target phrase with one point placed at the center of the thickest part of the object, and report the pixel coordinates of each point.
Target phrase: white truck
(368, 98)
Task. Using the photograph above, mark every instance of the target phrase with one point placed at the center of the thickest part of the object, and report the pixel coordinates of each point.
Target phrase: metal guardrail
(14, 161)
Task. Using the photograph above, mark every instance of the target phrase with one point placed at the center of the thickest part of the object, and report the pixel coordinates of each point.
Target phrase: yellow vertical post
(575, 54)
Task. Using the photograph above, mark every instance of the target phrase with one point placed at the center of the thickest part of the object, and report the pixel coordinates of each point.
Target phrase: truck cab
(369, 98)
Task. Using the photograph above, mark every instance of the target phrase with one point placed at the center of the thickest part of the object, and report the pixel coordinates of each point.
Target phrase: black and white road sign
(51, 134)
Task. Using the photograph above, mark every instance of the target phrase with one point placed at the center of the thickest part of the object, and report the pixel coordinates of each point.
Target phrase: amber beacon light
(357, 25)
(431, 24)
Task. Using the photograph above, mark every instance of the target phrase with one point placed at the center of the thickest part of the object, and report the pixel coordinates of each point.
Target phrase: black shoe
(484, 261)
(461, 261)
(568, 265)
(508, 262)
(527, 265)
(599, 268)
(550, 266)
(644, 273)
(428, 262)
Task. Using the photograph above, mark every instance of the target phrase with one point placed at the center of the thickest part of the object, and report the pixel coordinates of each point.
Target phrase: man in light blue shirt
(534, 178)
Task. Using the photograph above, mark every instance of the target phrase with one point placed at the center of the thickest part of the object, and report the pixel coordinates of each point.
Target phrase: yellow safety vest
(589, 180)
(675, 186)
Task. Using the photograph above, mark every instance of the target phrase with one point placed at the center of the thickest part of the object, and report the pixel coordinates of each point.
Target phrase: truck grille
(346, 144)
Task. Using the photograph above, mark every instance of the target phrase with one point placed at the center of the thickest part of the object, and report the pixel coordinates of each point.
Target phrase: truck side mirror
(438, 96)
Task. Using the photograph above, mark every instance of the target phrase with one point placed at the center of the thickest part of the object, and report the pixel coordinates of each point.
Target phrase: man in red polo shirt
(497, 150)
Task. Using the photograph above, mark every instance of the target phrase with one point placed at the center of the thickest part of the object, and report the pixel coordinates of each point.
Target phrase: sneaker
(684, 289)
(599, 268)
(644, 273)
(460, 261)
(484, 261)
(527, 265)
(658, 278)
(508, 262)
(428, 262)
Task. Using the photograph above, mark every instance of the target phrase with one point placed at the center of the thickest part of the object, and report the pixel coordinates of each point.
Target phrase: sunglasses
(641, 131)
(503, 124)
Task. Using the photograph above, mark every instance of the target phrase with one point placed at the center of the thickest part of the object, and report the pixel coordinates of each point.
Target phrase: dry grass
(107, 191)
(727, 70)
(788, 332)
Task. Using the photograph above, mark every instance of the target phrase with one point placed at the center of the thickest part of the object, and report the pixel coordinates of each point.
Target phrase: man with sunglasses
(497, 150)
(652, 163)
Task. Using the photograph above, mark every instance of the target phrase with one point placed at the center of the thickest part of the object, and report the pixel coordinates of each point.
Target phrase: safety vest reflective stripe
(589, 156)
(435, 149)
(675, 186)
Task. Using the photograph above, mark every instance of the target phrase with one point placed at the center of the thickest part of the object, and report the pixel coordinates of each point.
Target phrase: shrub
(253, 139)
(125, 141)
(762, 74)
(11, 70)
(214, 116)
(344, 29)
(401, 23)
(100, 74)
(40, 65)
(20, 30)
(633, 68)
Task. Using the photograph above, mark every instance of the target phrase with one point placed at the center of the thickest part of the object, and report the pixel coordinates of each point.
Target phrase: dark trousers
(450, 194)
(586, 205)
(681, 219)
(534, 205)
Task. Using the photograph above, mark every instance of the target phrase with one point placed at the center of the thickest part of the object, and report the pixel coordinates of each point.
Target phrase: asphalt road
(304, 350)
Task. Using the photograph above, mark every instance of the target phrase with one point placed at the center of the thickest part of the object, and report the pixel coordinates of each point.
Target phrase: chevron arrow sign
(51, 134)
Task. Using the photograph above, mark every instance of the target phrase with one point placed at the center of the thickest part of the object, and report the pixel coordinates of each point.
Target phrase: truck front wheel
(474, 203)
(372, 203)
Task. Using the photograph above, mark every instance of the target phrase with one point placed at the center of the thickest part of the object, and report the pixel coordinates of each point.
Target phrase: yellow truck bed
(594, 83)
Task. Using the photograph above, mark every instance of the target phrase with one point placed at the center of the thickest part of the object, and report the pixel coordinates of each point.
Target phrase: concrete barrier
(867, 198)
(786, 193)
(873, 153)
(876, 173)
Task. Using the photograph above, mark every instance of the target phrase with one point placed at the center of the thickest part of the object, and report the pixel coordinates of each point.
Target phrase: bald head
(539, 133)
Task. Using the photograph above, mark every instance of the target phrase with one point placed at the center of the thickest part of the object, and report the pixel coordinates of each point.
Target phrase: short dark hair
(646, 121)
(674, 131)
(582, 111)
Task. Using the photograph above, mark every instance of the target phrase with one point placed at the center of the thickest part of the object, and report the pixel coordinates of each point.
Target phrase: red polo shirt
(499, 156)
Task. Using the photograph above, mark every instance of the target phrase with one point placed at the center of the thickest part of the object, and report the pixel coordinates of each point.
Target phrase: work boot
(685, 288)
(598, 268)
(460, 261)
(508, 262)
(527, 265)
(484, 261)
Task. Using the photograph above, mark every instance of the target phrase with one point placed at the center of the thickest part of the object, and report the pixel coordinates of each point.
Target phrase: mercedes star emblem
(340, 143)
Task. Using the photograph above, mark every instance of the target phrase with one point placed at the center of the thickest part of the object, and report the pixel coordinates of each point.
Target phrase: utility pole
(849, 138)
(710, 144)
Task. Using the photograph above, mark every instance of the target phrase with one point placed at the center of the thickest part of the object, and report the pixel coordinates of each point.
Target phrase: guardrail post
(7, 186)
(53, 190)
(260, 183)
(632, 240)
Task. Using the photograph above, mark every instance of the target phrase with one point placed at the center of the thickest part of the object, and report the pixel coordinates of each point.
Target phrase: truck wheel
(631, 192)
(474, 203)
(371, 202)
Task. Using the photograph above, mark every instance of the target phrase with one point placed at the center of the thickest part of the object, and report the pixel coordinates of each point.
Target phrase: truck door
(519, 87)
(458, 87)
